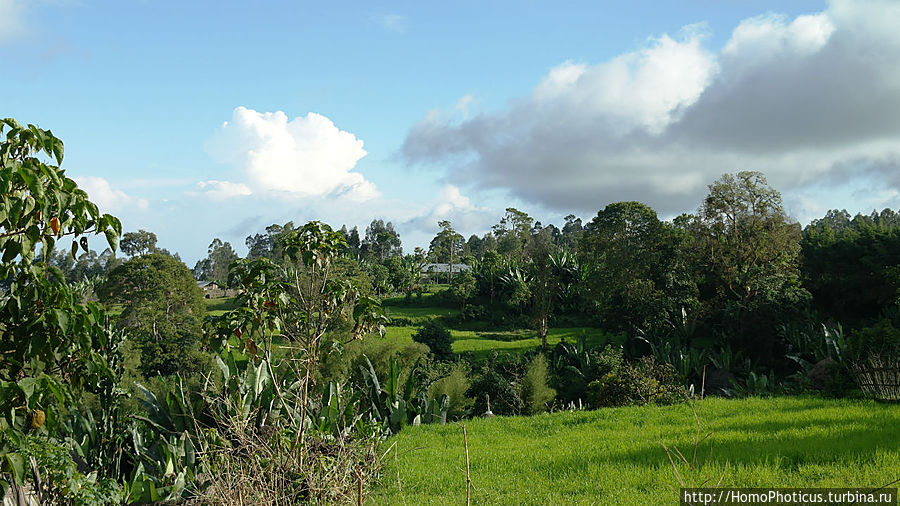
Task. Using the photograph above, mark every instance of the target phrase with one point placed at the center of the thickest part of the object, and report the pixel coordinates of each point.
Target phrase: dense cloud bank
(809, 100)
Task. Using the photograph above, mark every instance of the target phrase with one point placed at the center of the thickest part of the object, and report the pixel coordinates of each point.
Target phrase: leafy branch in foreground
(52, 349)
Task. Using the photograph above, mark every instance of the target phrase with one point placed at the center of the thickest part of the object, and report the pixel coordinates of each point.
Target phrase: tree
(381, 241)
(750, 253)
(751, 247)
(270, 244)
(215, 266)
(446, 246)
(138, 243)
(571, 231)
(297, 303)
(850, 266)
(544, 283)
(438, 339)
(52, 349)
(464, 288)
(623, 250)
(513, 233)
(162, 307)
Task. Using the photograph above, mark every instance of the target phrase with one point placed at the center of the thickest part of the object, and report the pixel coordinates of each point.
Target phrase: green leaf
(14, 464)
(27, 385)
(112, 238)
(62, 319)
(12, 251)
(58, 150)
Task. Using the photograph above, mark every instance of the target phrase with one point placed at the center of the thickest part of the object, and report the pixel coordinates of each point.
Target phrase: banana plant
(165, 468)
(396, 404)
(337, 414)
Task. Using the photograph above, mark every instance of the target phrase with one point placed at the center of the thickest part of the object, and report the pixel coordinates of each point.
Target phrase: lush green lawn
(614, 456)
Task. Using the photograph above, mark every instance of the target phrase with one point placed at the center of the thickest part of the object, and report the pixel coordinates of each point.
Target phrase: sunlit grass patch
(614, 455)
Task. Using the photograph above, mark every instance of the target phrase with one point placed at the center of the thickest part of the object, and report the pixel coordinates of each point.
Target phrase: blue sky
(211, 119)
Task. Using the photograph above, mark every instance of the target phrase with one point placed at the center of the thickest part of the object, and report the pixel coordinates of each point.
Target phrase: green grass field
(481, 344)
(614, 455)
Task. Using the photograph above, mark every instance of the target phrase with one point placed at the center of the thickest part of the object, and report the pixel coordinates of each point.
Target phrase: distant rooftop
(445, 267)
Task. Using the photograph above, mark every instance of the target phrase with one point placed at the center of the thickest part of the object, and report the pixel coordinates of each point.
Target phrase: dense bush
(643, 382)
(438, 339)
(454, 384)
(882, 339)
(535, 393)
(504, 399)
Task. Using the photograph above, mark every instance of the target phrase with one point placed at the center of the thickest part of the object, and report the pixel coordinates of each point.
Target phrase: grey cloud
(818, 105)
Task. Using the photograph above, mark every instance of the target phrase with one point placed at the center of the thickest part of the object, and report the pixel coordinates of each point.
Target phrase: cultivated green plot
(481, 344)
(615, 455)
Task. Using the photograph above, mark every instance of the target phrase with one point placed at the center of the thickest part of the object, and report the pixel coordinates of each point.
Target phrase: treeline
(738, 275)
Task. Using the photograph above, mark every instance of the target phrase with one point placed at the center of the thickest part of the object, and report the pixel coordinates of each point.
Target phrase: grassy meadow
(615, 455)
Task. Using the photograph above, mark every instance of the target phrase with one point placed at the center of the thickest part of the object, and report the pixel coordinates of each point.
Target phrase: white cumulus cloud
(108, 199)
(307, 156)
(220, 190)
(808, 100)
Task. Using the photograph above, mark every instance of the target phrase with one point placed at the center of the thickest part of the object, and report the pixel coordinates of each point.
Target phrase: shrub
(438, 339)
(345, 366)
(881, 339)
(535, 393)
(473, 312)
(503, 397)
(454, 385)
(647, 381)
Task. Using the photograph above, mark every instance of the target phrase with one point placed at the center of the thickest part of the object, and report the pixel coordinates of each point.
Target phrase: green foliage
(575, 366)
(438, 339)
(493, 392)
(536, 395)
(644, 382)
(215, 266)
(850, 266)
(454, 385)
(52, 349)
(39, 205)
(397, 402)
(882, 338)
(875, 362)
(513, 233)
(62, 482)
(447, 245)
(463, 287)
(381, 241)
(750, 251)
(624, 247)
(163, 309)
(141, 242)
